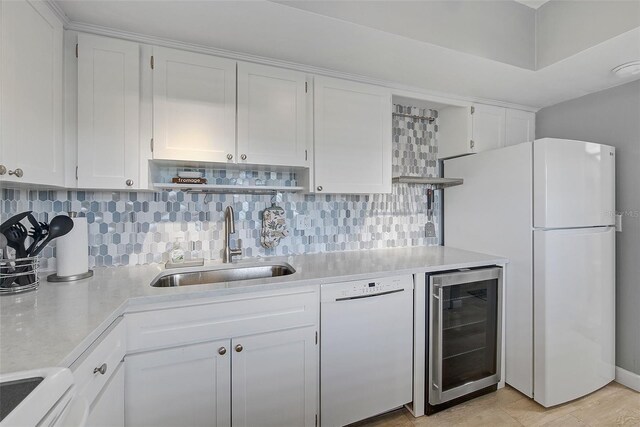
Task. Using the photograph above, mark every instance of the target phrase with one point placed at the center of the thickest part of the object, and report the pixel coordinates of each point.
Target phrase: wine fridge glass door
(464, 333)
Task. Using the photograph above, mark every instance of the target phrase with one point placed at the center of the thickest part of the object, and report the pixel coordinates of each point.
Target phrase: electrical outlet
(430, 230)
(303, 222)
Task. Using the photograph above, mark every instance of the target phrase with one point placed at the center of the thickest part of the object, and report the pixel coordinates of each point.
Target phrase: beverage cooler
(464, 324)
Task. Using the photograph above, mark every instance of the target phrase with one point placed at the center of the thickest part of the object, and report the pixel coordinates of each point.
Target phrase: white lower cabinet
(183, 386)
(99, 377)
(274, 379)
(108, 409)
(244, 361)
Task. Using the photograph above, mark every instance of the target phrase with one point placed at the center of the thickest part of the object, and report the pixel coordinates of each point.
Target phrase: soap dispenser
(177, 253)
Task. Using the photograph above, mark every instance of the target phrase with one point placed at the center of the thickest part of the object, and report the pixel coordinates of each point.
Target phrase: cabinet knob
(102, 369)
(239, 348)
(129, 182)
(229, 156)
(18, 173)
(222, 351)
(243, 157)
(319, 188)
(472, 143)
(3, 169)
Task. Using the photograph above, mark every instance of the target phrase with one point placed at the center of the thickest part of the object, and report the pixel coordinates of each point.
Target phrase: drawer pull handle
(222, 351)
(102, 369)
(239, 348)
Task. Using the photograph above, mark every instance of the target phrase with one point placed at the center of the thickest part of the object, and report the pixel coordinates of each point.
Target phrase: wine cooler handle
(436, 357)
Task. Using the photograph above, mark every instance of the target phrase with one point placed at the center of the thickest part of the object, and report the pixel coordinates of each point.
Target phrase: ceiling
(277, 31)
(504, 31)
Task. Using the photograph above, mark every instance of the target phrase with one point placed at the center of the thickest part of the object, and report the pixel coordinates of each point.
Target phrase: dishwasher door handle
(370, 296)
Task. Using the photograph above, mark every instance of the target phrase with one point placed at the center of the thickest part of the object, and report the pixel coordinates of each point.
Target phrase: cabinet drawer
(218, 320)
(107, 351)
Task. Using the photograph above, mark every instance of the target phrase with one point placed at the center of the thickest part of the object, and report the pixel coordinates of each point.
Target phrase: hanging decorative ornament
(274, 226)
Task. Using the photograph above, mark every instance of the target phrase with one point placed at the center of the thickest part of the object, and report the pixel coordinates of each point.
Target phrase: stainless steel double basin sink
(223, 274)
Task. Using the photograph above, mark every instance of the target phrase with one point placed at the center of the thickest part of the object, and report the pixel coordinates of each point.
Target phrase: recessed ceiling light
(629, 69)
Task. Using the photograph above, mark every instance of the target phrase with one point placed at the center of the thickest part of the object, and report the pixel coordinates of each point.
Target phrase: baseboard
(627, 378)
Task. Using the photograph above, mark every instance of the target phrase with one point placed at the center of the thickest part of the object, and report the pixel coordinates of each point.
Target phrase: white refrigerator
(549, 207)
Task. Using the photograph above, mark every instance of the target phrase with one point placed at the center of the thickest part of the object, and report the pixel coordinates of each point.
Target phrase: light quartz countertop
(55, 324)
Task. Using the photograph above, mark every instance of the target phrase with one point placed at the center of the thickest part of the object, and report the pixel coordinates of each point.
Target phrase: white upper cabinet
(488, 127)
(194, 106)
(31, 145)
(108, 113)
(520, 126)
(271, 116)
(480, 128)
(455, 131)
(352, 137)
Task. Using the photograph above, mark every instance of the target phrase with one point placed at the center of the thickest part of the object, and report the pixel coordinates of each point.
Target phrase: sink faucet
(229, 229)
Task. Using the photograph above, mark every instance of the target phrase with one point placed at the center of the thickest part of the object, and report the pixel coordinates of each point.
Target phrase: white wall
(565, 28)
(612, 117)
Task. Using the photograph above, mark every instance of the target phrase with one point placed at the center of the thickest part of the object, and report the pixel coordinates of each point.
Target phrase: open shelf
(439, 183)
(229, 189)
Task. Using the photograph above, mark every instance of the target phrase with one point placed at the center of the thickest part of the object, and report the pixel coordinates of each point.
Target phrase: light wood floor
(613, 405)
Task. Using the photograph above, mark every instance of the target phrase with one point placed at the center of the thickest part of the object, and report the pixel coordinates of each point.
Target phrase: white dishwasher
(366, 348)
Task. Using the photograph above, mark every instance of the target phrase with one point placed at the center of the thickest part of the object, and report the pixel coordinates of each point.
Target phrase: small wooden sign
(178, 180)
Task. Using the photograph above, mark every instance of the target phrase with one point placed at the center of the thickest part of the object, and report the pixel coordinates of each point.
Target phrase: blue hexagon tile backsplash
(129, 228)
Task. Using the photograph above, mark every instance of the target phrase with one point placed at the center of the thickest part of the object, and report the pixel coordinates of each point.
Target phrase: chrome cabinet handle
(243, 157)
(18, 173)
(102, 369)
(3, 169)
(222, 351)
(319, 188)
(239, 348)
(229, 156)
(129, 182)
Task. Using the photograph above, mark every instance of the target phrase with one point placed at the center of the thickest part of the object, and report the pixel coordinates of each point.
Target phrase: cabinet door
(275, 379)
(108, 408)
(184, 386)
(520, 126)
(31, 88)
(488, 127)
(194, 106)
(352, 132)
(108, 113)
(455, 132)
(271, 116)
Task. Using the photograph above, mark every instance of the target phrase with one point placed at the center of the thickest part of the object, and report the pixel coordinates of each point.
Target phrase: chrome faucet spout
(229, 228)
(229, 221)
